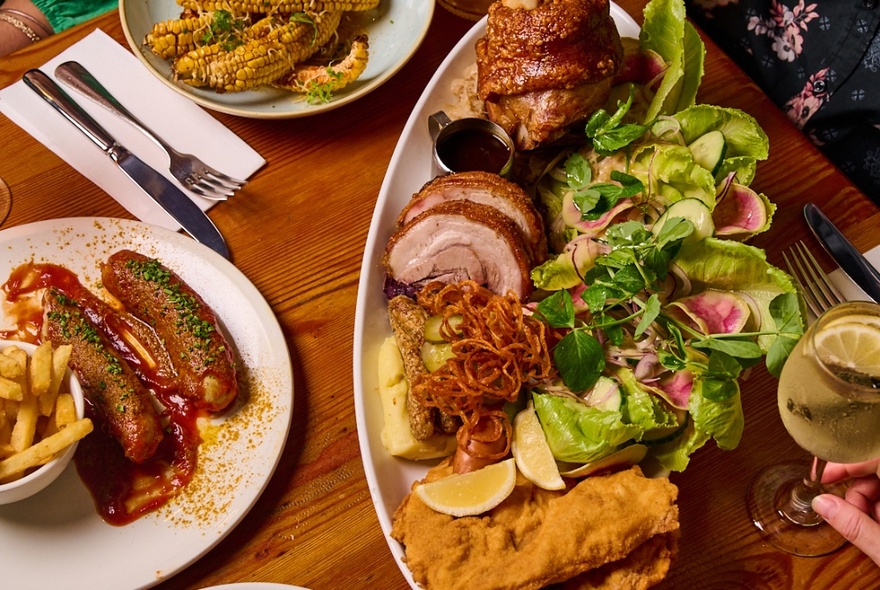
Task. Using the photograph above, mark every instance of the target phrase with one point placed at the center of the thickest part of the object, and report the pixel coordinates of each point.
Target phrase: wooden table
(299, 233)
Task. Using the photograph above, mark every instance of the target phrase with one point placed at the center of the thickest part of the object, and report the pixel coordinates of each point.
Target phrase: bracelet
(43, 30)
(29, 32)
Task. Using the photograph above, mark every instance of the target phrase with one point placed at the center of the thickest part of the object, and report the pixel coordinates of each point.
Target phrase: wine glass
(5, 201)
(829, 401)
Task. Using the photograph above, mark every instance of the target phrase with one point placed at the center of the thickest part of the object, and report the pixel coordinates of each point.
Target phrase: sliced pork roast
(455, 241)
(486, 189)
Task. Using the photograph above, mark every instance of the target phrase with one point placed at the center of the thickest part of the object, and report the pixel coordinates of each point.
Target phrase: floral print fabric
(819, 61)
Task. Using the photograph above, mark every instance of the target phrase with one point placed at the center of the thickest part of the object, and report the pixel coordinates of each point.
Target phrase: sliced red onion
(645, 367)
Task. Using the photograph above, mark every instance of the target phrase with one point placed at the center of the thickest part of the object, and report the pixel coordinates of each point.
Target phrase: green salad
(658, 303)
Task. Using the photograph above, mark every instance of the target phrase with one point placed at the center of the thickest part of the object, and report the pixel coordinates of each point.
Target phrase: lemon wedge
(850, 345)
(468, 494)
(532, 453)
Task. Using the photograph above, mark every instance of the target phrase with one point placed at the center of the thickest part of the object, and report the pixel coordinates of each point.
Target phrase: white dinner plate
(56, 539)
(255, 586)
(395, 29)
(390, 478)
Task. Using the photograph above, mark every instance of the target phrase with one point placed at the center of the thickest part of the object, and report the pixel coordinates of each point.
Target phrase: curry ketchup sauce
(122, 490)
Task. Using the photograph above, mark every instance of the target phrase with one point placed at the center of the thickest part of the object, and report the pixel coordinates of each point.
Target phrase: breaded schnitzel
(622, 521)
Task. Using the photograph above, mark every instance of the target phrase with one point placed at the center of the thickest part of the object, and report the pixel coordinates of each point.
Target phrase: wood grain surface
(298, 233)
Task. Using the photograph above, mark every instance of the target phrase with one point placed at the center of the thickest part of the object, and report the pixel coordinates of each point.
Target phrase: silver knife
(190, 217)
(853, 263)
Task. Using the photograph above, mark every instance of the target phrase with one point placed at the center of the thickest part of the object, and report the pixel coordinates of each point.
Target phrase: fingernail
(825, 506)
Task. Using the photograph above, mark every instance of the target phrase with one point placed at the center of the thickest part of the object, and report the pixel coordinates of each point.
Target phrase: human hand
(857, 515)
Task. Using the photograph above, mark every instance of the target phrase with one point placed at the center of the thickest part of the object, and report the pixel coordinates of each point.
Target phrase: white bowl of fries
(41, 417)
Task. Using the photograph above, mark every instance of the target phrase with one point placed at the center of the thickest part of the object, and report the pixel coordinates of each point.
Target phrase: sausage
(135, 342)
(120, 399)
(201, 356)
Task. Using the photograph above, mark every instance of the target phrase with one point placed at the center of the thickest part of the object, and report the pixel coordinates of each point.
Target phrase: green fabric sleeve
(63, 14)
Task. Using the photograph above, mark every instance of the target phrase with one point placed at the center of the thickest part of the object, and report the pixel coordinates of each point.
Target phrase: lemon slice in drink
(852, 346)
(862, 318)
(467, 494)
(532, 453)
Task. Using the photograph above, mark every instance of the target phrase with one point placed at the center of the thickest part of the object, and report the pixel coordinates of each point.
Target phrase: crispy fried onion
(497, 349)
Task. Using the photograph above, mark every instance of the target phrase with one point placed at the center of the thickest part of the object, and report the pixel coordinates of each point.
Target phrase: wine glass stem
(798, 506)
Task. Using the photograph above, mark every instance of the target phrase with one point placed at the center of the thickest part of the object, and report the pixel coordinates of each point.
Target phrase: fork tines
(818, 291)
(213, 184)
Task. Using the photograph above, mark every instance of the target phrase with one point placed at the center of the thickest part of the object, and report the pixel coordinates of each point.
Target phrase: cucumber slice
(708, 150)
(435, 355)
(432, 327)
(695, 211)
(609, 402)
(661, 436)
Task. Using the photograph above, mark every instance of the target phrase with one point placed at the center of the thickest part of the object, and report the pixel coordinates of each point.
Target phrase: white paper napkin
(180, 122)
(849, 290)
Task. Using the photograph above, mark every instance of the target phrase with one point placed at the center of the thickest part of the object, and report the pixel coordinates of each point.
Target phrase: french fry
(65, 410)
(19, 356)
(40, 370)
(9, 367)
(60, 358)
(37, 418)
(10, 389)
(10, 410)
(25, 423)
(63, 414)
(5, 431)
(43, 451)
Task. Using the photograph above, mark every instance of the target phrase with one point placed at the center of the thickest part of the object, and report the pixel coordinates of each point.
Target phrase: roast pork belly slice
(460, 240)
(486, 189)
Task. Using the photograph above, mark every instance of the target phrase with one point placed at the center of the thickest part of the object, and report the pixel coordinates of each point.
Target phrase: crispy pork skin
(539, 71)
(486, 189)
(460, 240)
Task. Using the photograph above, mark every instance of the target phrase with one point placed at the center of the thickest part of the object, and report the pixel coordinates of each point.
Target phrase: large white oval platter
(55, 539)
(390, 478)
(395, 30)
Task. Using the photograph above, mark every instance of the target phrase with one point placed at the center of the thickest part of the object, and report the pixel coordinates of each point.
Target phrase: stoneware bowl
(38, 479)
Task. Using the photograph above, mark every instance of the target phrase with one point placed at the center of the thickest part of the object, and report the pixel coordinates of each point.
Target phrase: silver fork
(819, 292)
(194, 174)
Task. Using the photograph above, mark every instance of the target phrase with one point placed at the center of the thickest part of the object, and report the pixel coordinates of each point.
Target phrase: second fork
(819, 292)
(189, 170)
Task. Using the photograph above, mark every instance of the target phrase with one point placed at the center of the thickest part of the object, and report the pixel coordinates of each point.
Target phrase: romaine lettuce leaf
(675, 455)
(673, 172)
(578, 433)
(641, 407)
(743, 166)
(741, 131)
(667, 32)
(733, 266)
(720, 419)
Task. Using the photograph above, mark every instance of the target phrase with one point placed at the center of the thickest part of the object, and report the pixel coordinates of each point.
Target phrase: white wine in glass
(829, 401)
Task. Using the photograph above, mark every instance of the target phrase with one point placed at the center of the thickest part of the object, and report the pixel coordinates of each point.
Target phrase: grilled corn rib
(171, 38)
(189, 61)
(174, 38)
(261, 60)
(278, 6)
(324, 80)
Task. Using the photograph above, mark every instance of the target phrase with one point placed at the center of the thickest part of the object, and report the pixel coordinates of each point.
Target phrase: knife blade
(850, 260)
(190, 217)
